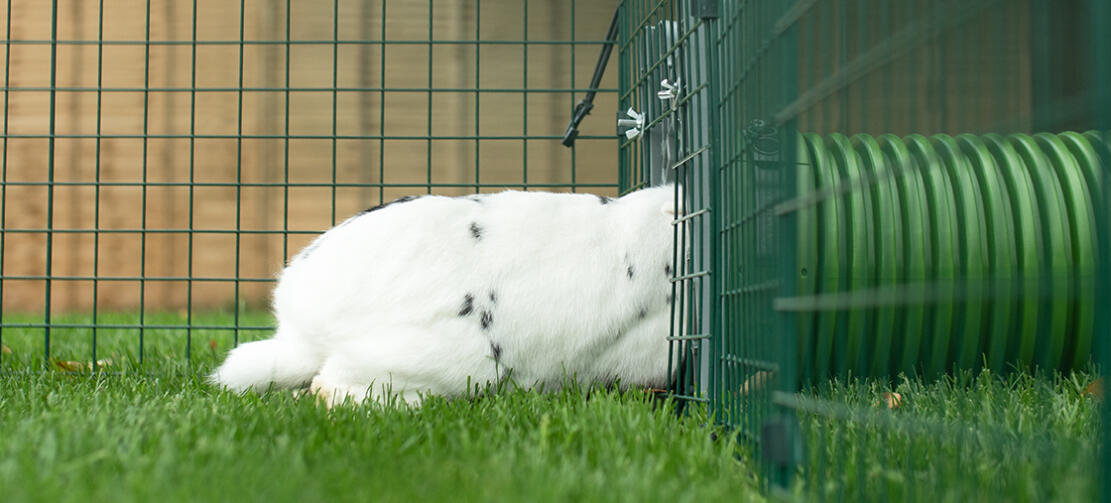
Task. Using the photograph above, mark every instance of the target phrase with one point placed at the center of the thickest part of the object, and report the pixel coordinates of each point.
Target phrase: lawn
(150, 429)
(158, 432)
(964, 437)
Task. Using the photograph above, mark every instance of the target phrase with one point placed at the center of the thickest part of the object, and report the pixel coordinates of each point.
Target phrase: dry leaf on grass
(891, 399)
(6, 350)
(1095, 389)
(69, 366)
(72, 366)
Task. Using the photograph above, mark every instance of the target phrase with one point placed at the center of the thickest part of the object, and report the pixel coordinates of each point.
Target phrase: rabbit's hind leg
(402, 364)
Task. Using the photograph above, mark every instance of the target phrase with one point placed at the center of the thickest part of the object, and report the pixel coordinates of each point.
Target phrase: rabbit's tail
(278, 362)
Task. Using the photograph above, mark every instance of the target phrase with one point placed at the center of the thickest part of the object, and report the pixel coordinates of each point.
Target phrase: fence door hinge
(704, 8)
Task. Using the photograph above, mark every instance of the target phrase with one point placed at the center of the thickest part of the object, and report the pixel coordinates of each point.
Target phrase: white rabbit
(432, 294)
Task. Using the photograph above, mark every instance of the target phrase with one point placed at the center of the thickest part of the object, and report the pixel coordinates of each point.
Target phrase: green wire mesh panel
(888, 191)
(920, 192)
(162, 159)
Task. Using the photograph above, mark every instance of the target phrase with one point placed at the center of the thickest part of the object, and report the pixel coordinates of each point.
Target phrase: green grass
(153, 430)
(967, 437)
(159, 433)
(158, 349)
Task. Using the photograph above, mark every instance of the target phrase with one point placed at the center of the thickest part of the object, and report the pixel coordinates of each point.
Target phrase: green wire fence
(868, 189)
(877, 189)
(162, 159)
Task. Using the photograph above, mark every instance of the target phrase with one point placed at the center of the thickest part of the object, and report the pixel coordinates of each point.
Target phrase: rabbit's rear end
(428, 294)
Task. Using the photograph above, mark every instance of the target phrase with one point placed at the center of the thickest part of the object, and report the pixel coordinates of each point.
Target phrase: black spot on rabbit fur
(486, 320)
(667, 269)
(476, 231)
(468, 305)
(493, 297)
(404, 199)
(629, 271)
(604, 199)
(642, 314)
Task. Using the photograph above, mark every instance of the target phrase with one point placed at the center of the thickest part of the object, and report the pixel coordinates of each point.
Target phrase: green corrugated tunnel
(928, 254)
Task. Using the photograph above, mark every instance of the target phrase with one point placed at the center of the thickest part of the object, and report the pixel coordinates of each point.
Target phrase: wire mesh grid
(161, 160)
(889, 189)
(665, 105)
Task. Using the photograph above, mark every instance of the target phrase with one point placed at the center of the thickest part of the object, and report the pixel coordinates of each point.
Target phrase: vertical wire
(622, 77)
(863, 43)
(825, 36)
(285, 147)
(239, 157)
(754, 348)
(192, 181)
(844, 95)
(239, 173)
(335, 86)
(734, 307)
(4, 167)
(698, 299)
(428, 108)
(477, 94)
(50, 179)
(524, 100)
(737, 309)
(382, 108)
(887, 82)
(638, 34)
(143, 227)
(742, 313)
(96, 195)
(572, 85)
(735, 312)
(644, 50)
(705, 54)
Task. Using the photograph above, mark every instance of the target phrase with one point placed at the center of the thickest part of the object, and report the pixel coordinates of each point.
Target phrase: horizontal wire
(156, 231)
(237, 43)
(748, 362)
(148, 326)
(308, 89)
(43, 136)
(689, 398)
(42, 277)
(488, 185)
(688, 337)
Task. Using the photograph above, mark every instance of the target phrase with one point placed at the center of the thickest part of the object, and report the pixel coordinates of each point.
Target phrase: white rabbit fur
(432, 294)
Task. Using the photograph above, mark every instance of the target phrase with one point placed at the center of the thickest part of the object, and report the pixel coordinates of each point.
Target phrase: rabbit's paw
(330, 395)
